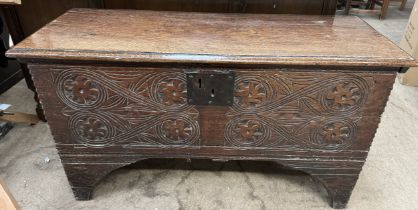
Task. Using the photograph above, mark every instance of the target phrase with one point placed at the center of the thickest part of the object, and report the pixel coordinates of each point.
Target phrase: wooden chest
(120, 86)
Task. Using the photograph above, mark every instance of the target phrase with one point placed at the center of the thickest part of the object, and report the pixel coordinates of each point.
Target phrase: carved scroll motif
(273, 110)
(108, 108)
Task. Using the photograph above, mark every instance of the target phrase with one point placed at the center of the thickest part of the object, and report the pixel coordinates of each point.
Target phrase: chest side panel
(130, 108)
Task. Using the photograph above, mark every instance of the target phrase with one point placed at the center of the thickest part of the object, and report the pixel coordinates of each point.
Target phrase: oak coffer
(119, 86)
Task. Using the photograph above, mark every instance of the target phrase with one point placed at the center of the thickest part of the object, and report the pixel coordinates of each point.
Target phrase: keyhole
(200, 83)
(213, 93)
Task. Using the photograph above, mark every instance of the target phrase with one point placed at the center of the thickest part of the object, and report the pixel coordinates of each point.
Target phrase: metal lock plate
(210, 88)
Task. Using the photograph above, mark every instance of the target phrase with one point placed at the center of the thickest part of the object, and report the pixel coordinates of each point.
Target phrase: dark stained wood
(10, 72)
(10, 76)
(211, 38)
(403, 4)
(345, 126)
(318, 7)
(112, 99)
(31, 15)
(384, 4)
(34, 14)
(16, 33)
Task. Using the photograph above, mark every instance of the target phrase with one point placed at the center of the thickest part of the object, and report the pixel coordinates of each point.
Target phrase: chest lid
(166, 37)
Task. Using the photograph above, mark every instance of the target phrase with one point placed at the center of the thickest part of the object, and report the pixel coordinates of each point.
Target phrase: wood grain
(319, 122)
(324, 7)
(7, 201)
(10, 2)
(292, 103)
(303, 96)
(18, 117)
(34, 14)
(146, 36)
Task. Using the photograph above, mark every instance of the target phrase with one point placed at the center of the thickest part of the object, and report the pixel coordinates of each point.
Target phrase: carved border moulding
(310, 110)
(127, 108)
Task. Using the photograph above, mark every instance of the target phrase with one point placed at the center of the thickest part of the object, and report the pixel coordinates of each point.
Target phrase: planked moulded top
(178, 37)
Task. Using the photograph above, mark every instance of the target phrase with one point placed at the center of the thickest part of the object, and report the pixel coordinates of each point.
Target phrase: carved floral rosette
(149, 108)
(107, 108)
(274, 110)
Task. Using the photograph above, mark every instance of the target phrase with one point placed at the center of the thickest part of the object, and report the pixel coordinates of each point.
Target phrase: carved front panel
(312, 110)
(131, 107)
(126, 108)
